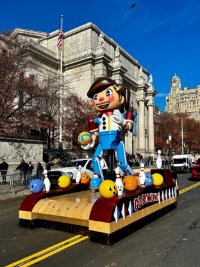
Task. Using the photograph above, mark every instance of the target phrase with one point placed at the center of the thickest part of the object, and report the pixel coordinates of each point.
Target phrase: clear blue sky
(164, 36)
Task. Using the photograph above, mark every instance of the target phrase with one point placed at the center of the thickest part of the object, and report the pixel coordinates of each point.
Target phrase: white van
(182, 163)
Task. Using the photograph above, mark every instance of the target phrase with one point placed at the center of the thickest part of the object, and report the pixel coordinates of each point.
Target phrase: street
(171, 240)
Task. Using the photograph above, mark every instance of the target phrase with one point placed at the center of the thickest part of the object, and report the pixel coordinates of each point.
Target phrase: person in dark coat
(30, 171)
(40, 170)
(23, 167)
(4, 168)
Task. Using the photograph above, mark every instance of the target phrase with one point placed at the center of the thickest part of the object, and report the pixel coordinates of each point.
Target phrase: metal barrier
(12, 180)
(15, 182)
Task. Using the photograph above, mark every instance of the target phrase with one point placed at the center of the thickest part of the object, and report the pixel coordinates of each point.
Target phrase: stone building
(88, 53)
(186, 100)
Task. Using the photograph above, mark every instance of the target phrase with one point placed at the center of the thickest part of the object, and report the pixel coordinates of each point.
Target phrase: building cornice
(38, 34)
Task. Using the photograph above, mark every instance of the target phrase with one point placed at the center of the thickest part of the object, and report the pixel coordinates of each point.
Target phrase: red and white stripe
(59, 43)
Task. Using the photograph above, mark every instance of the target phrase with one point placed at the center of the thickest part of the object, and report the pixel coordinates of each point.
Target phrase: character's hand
(118, 119)
(88, 146)
(95, 135)
(129, 125)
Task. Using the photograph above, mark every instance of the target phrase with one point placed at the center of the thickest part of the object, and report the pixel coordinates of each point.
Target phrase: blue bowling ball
(95, 182)
(36, 186)
(148, 179)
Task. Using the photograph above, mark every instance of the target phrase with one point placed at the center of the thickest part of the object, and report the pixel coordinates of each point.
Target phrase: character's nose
(101, 98)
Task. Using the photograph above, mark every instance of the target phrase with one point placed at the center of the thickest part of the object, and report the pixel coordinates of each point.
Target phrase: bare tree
(170, 123)
(24, 104)
(76, 113)
(29, 106)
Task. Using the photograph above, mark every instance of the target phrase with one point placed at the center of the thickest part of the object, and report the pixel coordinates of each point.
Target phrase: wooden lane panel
(30, 201)
(27, 215)
(43, 206)
(60, 207)
(40, 205)
(61, 219)
(83, 197)
(109, 228)
(69, 212)
(60, 203)
(82, 208)
(63, 209)
(76, 205)
(86, 212)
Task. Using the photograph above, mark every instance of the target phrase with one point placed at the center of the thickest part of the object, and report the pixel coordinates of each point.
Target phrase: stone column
(141, 126)
(150, 104)
(146, 128)
(151, 126)
(141, 97)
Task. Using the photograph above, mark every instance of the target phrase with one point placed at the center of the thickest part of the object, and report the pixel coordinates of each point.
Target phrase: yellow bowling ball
(108, 189)
(64, 181)
(157, 179)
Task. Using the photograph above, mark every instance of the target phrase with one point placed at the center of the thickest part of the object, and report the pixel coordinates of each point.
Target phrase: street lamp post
(170, 146)
(182, 141)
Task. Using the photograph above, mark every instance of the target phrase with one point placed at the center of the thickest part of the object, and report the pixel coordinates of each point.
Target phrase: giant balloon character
(111, 100)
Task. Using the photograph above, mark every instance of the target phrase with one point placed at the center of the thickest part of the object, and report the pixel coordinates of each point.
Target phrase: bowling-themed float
(110, 204)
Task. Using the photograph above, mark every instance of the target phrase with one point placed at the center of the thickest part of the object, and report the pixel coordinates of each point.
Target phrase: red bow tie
(107, 113)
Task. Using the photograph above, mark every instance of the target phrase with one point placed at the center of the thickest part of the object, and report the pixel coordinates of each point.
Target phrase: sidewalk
(17, 191)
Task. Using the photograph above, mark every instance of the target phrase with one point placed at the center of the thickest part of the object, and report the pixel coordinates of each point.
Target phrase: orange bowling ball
(130, 182)
(85, 178)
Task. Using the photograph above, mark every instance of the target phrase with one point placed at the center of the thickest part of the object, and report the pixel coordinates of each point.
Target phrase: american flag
(59, 43)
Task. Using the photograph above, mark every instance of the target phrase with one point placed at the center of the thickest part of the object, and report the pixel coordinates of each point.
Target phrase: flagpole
(61, 90)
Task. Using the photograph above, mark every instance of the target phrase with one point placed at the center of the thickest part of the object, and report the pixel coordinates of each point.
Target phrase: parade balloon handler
(111, 100)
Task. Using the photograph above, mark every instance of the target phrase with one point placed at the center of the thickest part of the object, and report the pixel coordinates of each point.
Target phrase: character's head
(106, 94)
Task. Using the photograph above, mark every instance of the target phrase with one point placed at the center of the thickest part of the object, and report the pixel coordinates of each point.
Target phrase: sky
(163, 36)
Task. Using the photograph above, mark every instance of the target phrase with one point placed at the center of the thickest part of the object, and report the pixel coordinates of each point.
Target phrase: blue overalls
(110, 138)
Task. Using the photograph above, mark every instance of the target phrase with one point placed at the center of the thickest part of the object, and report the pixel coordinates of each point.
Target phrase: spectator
(4, 168)
(30, 171)
(48, 166)
(39, 171)
(23, 167)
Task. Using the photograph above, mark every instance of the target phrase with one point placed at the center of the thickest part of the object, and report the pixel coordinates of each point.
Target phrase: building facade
(186, 100)
(88, 53)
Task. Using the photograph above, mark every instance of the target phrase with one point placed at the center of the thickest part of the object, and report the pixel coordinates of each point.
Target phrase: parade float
(105, 207)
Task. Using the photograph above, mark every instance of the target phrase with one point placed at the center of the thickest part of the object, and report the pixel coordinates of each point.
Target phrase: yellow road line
(189, 188)
(43, 254)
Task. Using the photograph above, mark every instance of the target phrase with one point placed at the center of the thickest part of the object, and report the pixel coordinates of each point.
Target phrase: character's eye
(95, 97)
(109, 92)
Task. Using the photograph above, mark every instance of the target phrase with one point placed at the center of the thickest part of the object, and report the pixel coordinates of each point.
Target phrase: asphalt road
(170, 240)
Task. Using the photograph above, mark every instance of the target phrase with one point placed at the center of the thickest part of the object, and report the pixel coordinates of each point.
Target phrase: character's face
(108, 99)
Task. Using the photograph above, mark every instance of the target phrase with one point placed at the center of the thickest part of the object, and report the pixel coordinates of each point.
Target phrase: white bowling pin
(47, 182)
(142, 176)
(118, 182)
(159, 160)
(78, 175)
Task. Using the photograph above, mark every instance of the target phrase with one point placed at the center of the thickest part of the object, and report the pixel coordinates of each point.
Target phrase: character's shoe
(95, 183)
